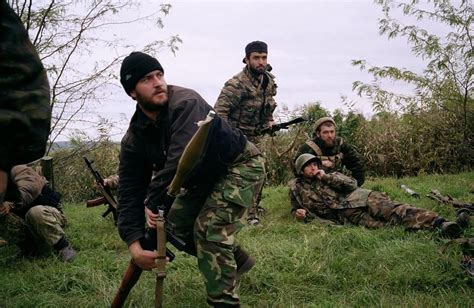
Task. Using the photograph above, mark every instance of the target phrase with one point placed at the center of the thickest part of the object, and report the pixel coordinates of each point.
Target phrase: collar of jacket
(141, 121)
(252, 77)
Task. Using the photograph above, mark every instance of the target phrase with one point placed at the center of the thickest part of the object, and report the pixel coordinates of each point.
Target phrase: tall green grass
(298, 265)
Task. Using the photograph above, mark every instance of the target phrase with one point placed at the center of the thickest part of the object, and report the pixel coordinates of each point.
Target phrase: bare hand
(327, 163)
(300, 214)
(145, 259)
(150, 218)
(5, 208)
(320, 174)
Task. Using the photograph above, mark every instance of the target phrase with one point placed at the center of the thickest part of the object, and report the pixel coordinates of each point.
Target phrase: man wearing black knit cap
(208, 214)
(247, 102)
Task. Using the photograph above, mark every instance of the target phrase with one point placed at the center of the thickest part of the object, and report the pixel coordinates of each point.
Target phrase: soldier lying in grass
(336, 198)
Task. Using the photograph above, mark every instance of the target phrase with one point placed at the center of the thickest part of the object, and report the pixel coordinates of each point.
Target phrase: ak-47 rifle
(106, 198)
(187, 162)
(282, 125)
(436, 195)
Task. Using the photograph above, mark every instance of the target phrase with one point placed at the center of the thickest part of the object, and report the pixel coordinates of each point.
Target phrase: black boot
(463, 218)
(65, 251)
(244, 261)
(446, 228)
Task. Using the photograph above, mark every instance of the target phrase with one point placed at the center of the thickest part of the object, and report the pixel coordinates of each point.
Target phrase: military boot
(450, 229)
(462, 218)
(244, 261)
(67, 254)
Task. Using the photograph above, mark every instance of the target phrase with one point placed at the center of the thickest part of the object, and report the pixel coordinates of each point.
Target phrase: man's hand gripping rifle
(106, 198)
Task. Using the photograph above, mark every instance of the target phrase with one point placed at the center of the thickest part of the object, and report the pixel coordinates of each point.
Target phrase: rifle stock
(96, 202)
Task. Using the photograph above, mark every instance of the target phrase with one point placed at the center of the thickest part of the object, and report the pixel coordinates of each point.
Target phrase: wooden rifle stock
(96, 202)
(130, 278)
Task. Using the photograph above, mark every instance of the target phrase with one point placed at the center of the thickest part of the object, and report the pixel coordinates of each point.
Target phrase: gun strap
(160, 270)
(319, 152)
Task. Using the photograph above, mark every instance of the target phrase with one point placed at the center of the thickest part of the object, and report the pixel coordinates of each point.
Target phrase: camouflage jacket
(25, 186)
(245, 104)
(323, 198)
(25, 111)
(342, 155)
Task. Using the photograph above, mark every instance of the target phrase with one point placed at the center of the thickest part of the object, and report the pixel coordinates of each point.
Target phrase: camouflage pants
(41, 225)
(382, 211)
(210, 222)
(252, 212)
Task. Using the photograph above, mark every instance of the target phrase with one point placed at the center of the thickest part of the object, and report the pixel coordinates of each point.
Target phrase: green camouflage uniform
(247, 105)
(25, 111)
(338, 199)
(30, 225)
(213, 220)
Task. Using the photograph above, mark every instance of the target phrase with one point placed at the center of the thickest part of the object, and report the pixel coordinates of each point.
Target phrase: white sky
(311, 45)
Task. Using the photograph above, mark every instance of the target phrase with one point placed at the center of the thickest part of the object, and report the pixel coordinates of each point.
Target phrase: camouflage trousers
(42, 225)
(252, 212)
(382, 211)
(210, 222)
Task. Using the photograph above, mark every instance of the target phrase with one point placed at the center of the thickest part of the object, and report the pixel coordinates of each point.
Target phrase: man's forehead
(327, 125)
(258, 54)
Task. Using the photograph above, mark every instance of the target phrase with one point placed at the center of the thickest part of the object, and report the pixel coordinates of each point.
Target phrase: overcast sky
(311, 45)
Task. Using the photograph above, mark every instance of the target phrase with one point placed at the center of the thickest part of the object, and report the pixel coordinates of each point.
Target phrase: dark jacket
(350, 158)
(157, 146)
(25, 111)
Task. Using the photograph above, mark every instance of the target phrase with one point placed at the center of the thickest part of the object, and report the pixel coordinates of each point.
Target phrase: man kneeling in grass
(335, 197)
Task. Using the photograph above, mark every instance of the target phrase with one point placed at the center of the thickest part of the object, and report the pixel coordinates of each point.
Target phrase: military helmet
(304, 159)
(322, 120)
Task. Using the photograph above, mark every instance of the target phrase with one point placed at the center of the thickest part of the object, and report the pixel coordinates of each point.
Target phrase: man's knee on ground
(38, 215)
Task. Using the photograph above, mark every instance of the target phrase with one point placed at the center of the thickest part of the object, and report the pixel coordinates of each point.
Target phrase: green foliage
(298, 265)
(442, 104)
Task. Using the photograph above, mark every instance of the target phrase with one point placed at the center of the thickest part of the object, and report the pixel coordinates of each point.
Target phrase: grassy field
(298, 265)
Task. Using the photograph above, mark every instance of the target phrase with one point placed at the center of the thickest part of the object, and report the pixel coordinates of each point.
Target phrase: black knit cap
(255, 46)
(134, 67)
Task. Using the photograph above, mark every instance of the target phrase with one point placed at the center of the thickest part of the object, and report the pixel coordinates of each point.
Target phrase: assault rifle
(436, 195)
(106, 198)
(282, 125)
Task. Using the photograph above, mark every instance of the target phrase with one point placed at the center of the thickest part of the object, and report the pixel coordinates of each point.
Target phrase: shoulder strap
(315, 147)
(160, 270)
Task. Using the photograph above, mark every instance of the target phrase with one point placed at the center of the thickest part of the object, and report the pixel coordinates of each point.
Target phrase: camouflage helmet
(322, 120)
(303, 160)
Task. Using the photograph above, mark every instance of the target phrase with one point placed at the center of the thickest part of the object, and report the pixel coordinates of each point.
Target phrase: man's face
(257, 62)
(310, 170)
(151, 92)
(327, 133)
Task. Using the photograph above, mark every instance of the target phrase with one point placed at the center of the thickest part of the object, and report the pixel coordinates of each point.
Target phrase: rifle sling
(160, 270)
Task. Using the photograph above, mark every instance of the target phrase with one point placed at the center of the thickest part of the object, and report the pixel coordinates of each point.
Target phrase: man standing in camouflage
(25, 112)
(335, 198)
(247, 101)
(208, 213)
(333, 151)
